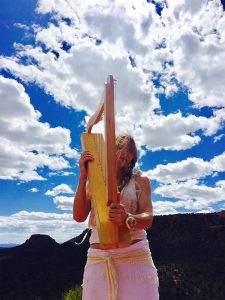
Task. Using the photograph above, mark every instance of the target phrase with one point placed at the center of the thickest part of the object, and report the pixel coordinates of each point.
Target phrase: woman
(124, 273)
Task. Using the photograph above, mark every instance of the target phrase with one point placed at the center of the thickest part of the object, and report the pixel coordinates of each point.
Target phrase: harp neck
(107, 107)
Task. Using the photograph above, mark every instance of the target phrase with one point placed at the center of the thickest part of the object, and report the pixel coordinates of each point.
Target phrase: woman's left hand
(117, 213)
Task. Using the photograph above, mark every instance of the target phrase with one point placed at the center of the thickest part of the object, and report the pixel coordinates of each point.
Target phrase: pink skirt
(135, 280)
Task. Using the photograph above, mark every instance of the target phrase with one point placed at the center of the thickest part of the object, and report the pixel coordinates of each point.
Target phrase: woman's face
(123, 154)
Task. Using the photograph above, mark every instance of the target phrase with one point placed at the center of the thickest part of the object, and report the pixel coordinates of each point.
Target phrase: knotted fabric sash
(139, 256)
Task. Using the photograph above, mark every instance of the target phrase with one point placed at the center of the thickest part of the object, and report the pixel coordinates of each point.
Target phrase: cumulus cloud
(19, 226)
(59, 189)
(181, 181)
(163, 208)
(26, 143)
(192, 194)
(218, 162)
(82, 89)
(63, 202)
(171, 132)
(191, 197)
(198, 50)
(143, 47)
(191, 168)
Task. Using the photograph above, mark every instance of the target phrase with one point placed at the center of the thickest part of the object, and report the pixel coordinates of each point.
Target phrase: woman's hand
(86, 156)
(117, 213)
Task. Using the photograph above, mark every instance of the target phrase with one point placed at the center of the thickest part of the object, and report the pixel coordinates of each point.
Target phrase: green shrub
(73, 294)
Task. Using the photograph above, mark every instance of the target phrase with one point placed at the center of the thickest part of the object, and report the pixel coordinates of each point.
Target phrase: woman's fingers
(117, 213)
(84, 158)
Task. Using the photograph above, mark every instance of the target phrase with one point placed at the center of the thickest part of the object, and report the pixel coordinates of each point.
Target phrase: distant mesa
(40, 240)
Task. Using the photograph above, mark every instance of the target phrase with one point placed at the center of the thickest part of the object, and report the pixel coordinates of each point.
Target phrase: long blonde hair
(133, 150)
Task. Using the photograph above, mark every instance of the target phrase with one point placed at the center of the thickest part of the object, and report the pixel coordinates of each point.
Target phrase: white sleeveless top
(129, 198)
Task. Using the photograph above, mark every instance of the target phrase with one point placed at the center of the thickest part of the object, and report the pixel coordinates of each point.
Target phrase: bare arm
(82, 204)
(144, 217)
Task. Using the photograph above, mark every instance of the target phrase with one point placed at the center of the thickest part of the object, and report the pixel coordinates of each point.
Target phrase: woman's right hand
(85, 157)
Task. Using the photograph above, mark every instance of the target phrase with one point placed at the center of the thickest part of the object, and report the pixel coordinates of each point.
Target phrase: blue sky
(168, 58)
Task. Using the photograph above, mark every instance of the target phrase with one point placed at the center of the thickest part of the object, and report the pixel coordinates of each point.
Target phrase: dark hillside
(188, 251)
(40, 269)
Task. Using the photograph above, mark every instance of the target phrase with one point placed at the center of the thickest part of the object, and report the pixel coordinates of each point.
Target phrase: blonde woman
(124, 273)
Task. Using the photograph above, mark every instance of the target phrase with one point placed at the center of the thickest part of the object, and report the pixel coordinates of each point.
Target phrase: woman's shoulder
(141, 181)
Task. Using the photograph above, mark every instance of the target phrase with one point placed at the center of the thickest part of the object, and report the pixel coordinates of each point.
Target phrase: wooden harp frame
(103, 183)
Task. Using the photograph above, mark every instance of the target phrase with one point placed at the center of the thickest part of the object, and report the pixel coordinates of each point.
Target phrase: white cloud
(218, 162)
(221, 183)
(186, 57)
(22, 26)
(15, 163)
(60, 173)
(171, 132)
(191, 194)
(181, 181)
(206, 211)
(18, 227)
(26, 143)
(163, 208)
(59, 189)
(15, 103)
(63, 202)
(196, 39)
(188, 42)
(218, 137)
(191, 168)
(81, 88)
(33, 190)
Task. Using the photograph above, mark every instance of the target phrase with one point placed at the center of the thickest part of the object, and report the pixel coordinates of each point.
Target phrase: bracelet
(130, 221)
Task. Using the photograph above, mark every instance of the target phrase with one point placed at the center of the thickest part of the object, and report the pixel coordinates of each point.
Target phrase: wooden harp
(102, 171)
